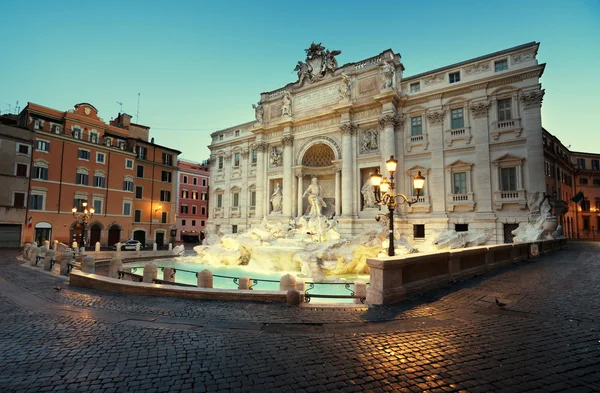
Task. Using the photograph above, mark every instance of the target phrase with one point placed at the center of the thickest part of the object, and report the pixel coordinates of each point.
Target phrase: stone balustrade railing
(393, 278)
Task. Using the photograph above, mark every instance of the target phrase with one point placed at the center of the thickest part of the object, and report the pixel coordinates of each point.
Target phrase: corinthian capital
(533, 98)
(347, 128)
(480, 109)
(260, 146)
(400, 121)
(435, 117)
(388, 120)
(287, 140)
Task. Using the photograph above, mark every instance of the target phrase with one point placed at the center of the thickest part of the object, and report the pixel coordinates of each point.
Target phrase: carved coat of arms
(319, 62)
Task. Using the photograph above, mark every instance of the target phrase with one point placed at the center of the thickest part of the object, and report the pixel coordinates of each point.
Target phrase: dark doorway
(95, 232)
(140, 236)
(508, 236)
(114, 235)
(160, 239)
(76, 233)
(41, 235)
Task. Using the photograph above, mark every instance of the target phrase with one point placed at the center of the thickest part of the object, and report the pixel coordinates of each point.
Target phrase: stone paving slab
(546, 339)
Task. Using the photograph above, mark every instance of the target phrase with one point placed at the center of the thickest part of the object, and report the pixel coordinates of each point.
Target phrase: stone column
(227, 193)
(482, 173)
(387, 143)
(400, 176)
(244, 194)
(260, 179)
(531, 121)
(436, 182)
(300, 191)
(288, 176)
(347, 171)
(355, 172)
(338, 208)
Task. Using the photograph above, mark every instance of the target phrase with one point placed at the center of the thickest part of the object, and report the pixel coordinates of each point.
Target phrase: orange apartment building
(559, 171)
(587, 180)
(78, 158)
(192, 200)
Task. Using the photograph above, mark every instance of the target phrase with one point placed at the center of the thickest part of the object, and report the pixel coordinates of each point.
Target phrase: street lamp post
(390, 198)
(84, 217)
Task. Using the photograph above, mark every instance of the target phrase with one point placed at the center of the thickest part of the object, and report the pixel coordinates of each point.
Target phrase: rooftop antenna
(17, 108)
(121, 107)
(137, 112)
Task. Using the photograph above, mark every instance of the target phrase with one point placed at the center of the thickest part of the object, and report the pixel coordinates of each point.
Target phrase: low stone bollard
(74, 245)
(170, 246)
(97, 248)
(169, 274)
(244, 282)
(67, 257)
(154, 247)
(33, 253)
(114, 266)
(150, 273)
(287, 282)
(88, 264)
(47, 244)
(26, 248)
(205, 279)
(127, 277)
(55, 245)
(360, 290)
(301, 286)
(82, 250)
(48, 260)
(138, 247)
(293, 297)
(118, 250)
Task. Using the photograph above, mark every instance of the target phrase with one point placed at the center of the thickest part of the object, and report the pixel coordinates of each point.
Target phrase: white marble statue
(277, 199)
(368, 193)
(315, 197)
(345, 88)
(259, 112)
(387, 71)
(286, 104)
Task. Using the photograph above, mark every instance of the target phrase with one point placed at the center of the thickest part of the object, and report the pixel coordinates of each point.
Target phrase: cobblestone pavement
(546, 339)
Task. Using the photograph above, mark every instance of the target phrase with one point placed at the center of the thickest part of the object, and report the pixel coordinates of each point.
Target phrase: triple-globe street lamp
(390, 198)
(84, 217)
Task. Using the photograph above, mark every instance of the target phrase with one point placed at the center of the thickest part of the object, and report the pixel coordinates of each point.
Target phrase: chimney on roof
(123, 120)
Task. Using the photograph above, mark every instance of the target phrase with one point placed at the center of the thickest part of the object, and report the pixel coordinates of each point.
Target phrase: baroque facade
(473, 129)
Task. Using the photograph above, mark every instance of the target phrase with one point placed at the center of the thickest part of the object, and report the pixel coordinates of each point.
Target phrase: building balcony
(235, 211)
(458, 134)
(417, 140)
(218, 212)
(514, 197)
(506, 127)
(461, 201)
(422, 205)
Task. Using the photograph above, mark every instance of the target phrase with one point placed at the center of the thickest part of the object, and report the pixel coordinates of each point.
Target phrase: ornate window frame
(416, 140)
(517, 196)
(460, 200)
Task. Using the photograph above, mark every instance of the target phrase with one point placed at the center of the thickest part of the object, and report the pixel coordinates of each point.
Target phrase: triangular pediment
(460, 163)
(507, 157)
(417, 168)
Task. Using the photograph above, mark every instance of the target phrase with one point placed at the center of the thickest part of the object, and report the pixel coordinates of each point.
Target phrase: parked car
(129, 245)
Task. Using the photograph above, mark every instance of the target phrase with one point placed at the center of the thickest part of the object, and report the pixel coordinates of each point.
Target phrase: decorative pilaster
(436, 181)
(355, 176)
(288, 176)
(338, 173)
(347, 169)
(532, 128)
(481, 170)
(387, 123)
(260, 148)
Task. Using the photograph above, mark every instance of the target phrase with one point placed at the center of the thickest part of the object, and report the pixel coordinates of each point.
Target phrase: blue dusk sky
(199, 66)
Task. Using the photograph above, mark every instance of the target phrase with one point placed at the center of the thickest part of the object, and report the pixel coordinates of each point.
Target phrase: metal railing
(255, 281)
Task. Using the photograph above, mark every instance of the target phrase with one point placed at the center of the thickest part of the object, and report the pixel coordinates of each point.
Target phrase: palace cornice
(482, 84)
(83, 143)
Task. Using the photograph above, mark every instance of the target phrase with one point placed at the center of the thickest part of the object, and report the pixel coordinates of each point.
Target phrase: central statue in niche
(315, 197)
